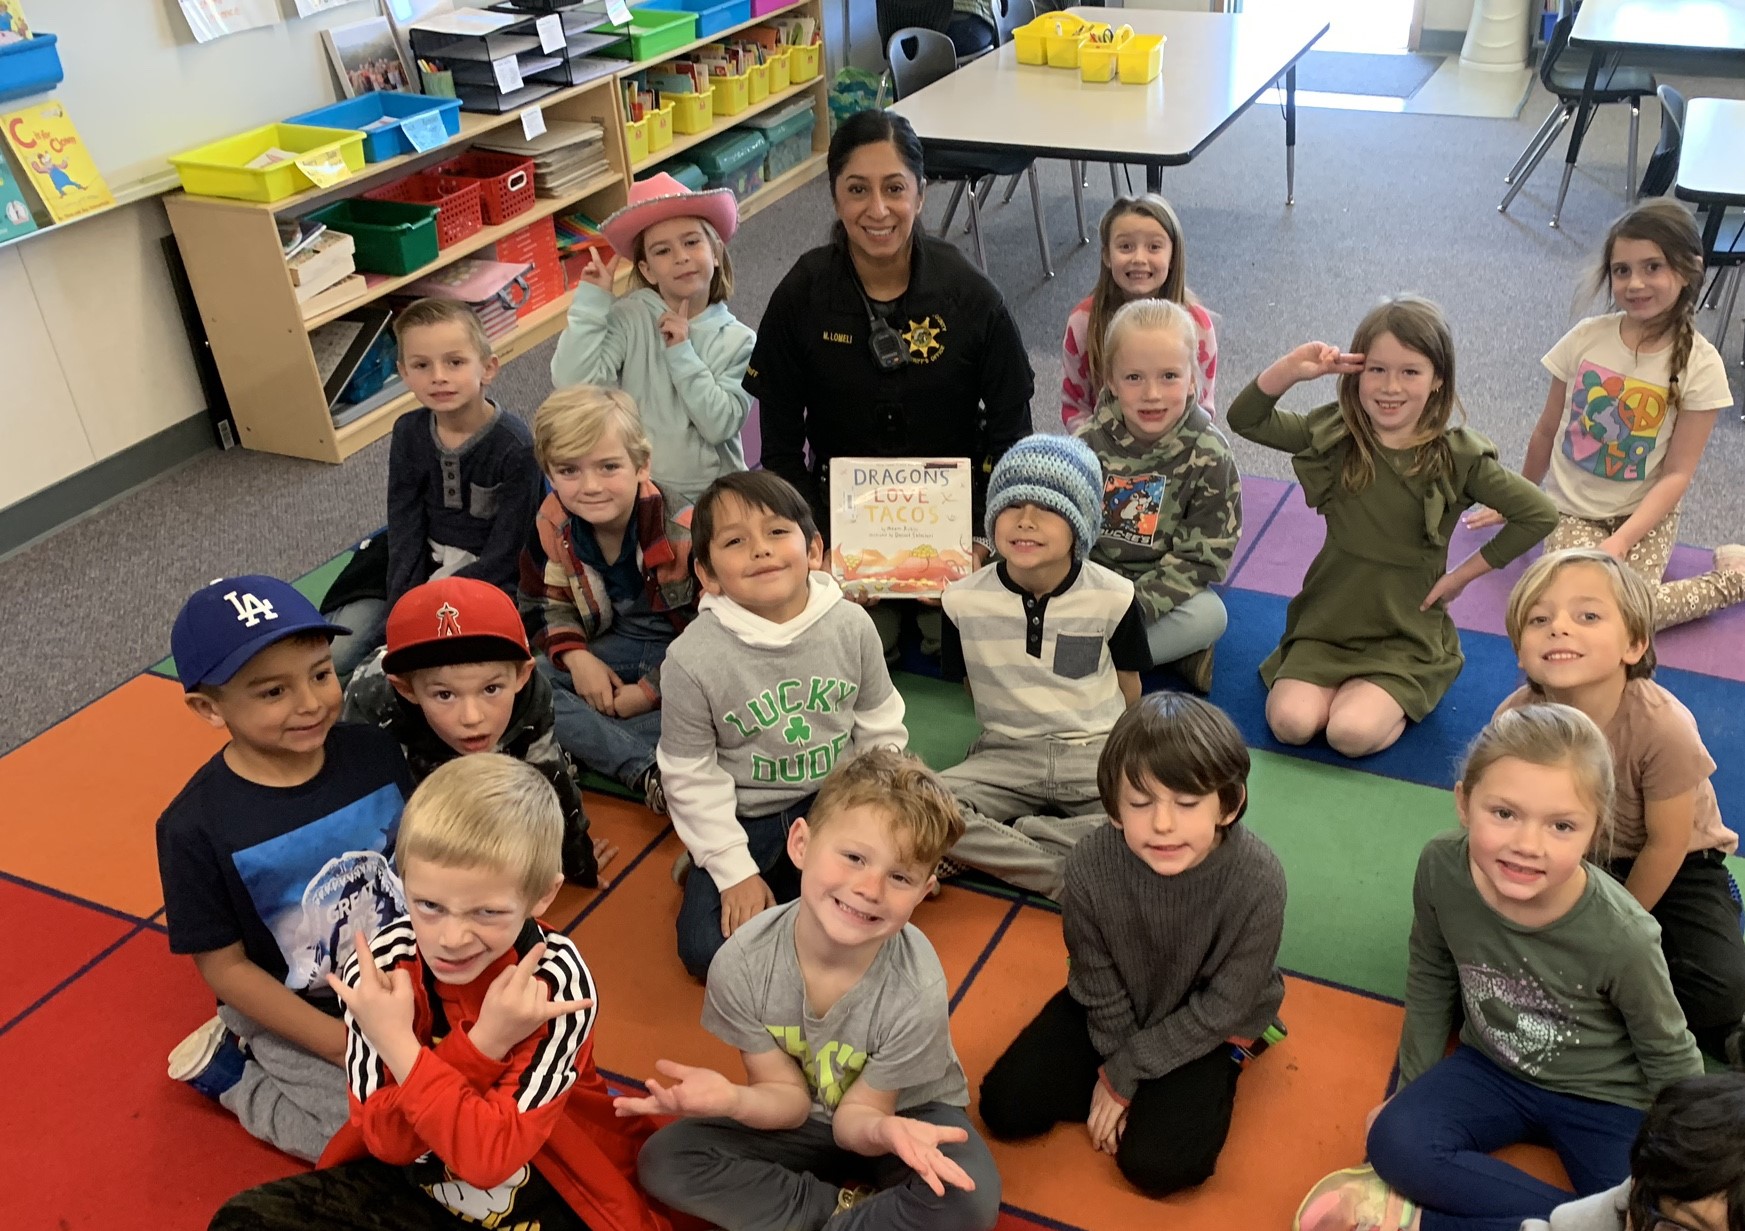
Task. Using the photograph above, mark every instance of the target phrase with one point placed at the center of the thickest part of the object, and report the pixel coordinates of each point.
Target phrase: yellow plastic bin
(691, 112)
(220, 169)
(1097, 61)
(1063, 49)
(804, 62)
(1141, 58)
(759, 74)
(660, 127)
(1031, 39)
(780, 64)
(636, 139)
(730, 95)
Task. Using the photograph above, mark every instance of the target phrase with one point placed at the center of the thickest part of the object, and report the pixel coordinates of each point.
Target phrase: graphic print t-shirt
(893, 1028)
(291, 872)
(1616, 420)
(1130, 507)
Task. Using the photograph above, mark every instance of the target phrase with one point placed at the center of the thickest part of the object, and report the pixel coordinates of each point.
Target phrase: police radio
(889, 350)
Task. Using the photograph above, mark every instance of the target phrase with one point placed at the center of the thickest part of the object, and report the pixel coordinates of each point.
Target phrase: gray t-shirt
(893, 1027)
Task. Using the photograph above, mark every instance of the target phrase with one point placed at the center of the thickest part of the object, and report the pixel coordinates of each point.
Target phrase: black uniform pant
(364, 1195)
(1705, 953)
(1176, 1124)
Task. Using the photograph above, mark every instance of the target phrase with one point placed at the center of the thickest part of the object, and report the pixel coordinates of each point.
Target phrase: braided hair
(1668, 225)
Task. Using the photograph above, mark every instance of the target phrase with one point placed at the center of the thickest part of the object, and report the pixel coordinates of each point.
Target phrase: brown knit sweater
(1169, 967)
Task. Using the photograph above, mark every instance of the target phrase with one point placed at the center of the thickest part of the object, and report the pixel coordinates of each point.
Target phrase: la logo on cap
(447, 620)
(249, 609)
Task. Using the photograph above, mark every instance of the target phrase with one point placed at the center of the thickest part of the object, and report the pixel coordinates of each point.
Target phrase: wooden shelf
(684, 141)
(543, 207)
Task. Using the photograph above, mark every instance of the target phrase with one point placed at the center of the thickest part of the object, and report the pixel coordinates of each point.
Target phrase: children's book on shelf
(55, 161)
(900, 527)
(13, 27)
(15, 219)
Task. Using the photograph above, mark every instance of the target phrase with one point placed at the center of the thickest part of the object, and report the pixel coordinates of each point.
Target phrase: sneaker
(1355, 1199)
(653, 792)
(949, 869)
(1196, 670)
(682, 867)
(210, 1059)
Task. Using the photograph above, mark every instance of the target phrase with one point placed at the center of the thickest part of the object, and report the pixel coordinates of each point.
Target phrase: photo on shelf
(402, 13)
(367, 58)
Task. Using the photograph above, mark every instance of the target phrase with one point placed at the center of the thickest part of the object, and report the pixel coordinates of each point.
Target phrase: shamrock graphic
(798, 730)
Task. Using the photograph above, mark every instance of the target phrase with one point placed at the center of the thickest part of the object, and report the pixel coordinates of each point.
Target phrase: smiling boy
(1051, 645)
(473, 1093)
(778, 679)
(457, 678)
(853, 1108)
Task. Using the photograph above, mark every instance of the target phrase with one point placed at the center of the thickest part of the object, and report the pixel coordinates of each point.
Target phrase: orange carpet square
(82, 798)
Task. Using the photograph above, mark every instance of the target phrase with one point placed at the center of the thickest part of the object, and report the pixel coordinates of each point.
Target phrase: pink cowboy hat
(660, 197)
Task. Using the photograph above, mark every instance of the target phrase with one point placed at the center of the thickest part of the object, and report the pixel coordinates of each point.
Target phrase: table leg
(1291, 135)
(1583, 115)
(1154, 178)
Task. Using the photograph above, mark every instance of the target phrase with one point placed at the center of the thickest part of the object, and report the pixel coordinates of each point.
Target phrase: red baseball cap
(453, 620)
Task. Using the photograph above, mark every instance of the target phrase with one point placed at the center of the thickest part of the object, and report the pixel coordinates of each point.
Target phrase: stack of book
(565, 156)
(323, 274)
(493, 289)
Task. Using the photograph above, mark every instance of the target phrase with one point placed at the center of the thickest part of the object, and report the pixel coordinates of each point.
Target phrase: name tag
(845, 338)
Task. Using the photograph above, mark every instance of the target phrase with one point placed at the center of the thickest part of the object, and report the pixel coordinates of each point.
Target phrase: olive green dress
(1357, 615)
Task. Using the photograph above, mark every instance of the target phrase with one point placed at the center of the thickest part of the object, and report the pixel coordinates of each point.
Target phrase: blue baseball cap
(228, 622)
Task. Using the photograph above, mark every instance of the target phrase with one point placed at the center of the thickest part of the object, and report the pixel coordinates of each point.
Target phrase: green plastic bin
(732, 160)
(686, 173)
(392, 237)
(655, 32)
(789, 133)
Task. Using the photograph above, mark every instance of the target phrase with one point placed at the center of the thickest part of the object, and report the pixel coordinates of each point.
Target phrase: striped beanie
(1058, 473)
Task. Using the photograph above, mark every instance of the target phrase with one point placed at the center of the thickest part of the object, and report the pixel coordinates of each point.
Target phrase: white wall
(1447, 14)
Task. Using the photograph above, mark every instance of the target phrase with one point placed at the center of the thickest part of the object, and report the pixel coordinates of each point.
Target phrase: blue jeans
(620, 748)
(699, 923)
(368, 620)
(1432, 1143)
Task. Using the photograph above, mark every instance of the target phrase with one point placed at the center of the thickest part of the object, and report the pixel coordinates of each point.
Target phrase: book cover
(15, 216)
(13, 27)
(900, 527)
(55, 161)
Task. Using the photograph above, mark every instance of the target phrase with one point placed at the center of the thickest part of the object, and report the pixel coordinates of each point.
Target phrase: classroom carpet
(91, 1000)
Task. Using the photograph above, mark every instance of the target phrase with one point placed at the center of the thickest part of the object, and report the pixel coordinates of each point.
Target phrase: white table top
(1661, 25)
(1214, 65)
(1710, 165)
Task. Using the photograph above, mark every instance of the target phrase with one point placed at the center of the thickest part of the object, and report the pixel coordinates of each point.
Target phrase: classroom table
(1711, 172)
(1615, 28)
(1214, 67)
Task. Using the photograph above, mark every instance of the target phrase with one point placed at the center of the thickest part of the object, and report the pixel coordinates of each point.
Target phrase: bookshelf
(259, 337)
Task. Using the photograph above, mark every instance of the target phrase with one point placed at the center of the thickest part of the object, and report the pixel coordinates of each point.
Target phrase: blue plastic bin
(29, 67)
(390, 140)
(713, 16)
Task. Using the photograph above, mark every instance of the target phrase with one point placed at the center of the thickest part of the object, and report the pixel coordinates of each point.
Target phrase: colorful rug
(92, 1001)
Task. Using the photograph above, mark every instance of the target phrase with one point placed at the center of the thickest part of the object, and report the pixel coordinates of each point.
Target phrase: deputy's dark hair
(756, 489)
(870, 128)
(1691, 1146)
(1183, 744)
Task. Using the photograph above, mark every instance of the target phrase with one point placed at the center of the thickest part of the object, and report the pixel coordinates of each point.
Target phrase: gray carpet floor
(1385, 203)
(1351, 72)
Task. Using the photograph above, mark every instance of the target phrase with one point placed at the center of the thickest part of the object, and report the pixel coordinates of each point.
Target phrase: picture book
(900, 527)
(15, 216)
(13, 27)
(55, 161)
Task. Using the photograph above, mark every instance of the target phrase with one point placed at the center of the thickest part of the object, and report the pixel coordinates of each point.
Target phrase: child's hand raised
(675, 327)
(381, 1004)
(693, 1092)
(1310, 361)
(604, 276)
(517, 1003)
(917, 1143)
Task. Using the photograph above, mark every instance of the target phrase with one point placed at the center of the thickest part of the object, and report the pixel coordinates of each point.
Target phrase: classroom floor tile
(60, 936)
(134, 1151)
(84, 796)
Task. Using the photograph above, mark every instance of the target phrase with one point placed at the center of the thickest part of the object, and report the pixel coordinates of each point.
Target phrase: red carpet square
(59, 936)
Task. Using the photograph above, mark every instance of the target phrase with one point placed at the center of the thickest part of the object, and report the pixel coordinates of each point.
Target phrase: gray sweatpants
(748, 1179)
(1187, 628)
(1026, 803)
(286, 1096)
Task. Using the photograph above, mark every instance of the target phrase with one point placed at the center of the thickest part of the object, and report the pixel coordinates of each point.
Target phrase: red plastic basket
(457, 202)
(505, 182)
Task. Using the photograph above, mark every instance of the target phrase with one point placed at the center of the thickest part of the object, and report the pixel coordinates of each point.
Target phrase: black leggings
(1176, 1124)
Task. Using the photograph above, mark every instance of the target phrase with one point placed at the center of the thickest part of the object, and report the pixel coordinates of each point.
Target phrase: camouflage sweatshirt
(1172, 510)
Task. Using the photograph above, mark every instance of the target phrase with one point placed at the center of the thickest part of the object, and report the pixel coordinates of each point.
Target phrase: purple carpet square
(1277, 559)
(1259, 498)
(1713, 645)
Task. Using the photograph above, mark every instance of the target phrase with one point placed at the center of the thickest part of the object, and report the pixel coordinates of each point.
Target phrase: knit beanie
(1058, 473)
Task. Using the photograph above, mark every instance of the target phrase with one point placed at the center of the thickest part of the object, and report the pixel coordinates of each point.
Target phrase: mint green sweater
(690, 396)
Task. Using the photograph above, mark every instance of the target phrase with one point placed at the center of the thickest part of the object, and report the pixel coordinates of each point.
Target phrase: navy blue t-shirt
(291, 872)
